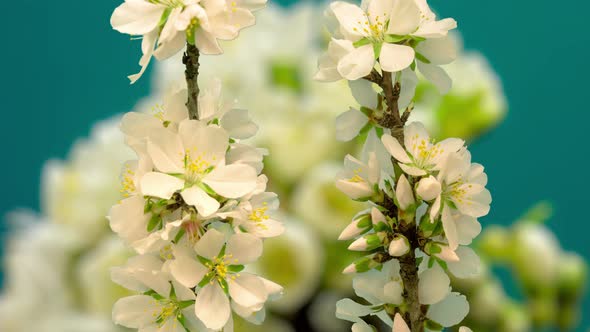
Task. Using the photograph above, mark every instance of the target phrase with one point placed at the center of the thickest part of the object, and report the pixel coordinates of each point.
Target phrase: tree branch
(395, 122)
(191, 61)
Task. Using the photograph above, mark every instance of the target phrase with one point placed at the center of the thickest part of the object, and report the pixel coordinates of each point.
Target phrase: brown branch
(395, 122)
(191, 61)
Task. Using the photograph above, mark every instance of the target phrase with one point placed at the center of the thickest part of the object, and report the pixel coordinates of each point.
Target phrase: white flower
(328, 63)
(421, 156)
(359, 180)
(254, 216)
(404, 193)
(386, 30)
(168, 25)
(450, 311)
(399, 246)
(434, 285)
(463, 193)
(428, 188)
(217, 272)
(148, 313)
(380, 287)
(191, 161)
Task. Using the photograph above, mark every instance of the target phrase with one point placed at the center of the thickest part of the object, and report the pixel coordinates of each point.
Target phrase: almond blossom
(384, 31)
(166, 26)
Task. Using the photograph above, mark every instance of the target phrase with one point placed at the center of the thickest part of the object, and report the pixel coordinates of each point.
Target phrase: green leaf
(164, 17)
(362, 42)
(422, 58)
(154, 222)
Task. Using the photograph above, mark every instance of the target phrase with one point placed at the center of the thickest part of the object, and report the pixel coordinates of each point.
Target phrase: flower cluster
(423, 196)
(426, 209)
(168, 25)
(402, 36)
(196, 211)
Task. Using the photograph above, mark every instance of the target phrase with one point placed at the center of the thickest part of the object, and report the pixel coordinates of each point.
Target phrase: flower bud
(404, 193)
(442, 251)
(428, 188)
(363, 264)
(357, 227)
(367, 242)
(399, 246)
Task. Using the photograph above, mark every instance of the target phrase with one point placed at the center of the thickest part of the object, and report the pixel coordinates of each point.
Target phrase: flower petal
(244, 248)
(434, 285)
(395, 149)
(210, 244)
(197, 197)
(468, 265)
(248, 290)
(232, 181)
(185, 269)
(136, 17)
(348, 15)
(450, 311)
(212, 306)
(405, 18)
(437, 76)
(358, 63)
(160, 185)
(394, 58)
(136, 311)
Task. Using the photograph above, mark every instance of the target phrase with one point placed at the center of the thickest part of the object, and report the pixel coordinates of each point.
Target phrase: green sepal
(432, 325)
(418, 39)
(179, 235)
(413, 66)
(374, 241)
(185, 304)
(362, 42)
(148, 205)
(379, 131)
(392, 39)
(164, 17)
(366, 129)
(365, 264)
(207, 189)
(381, 227)
(377, 49)
(183, 322)
(155, 222)
(224, 285)
(422, 58)
(205, 280)
(154, 294)
(366, 111)
(190, 37)
(235, 268)
(364, 222)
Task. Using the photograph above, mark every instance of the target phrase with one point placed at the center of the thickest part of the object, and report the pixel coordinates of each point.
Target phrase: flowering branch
(191, 61)
(196, 209)
(423, 197)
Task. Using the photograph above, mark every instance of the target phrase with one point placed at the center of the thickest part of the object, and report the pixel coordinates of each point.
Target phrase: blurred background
(518, 99)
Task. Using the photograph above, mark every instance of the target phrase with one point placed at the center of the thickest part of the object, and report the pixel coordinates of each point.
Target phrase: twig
(191, 61)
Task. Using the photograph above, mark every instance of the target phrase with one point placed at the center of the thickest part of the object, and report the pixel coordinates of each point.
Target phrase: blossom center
(196, 166)
(258, 216)
(127, 182)
(356, 178)
(169, 309)
(374, 31)
(219, 268)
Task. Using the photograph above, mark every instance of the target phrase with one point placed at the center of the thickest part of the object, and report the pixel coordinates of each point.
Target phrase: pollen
(127, 182)
(356, 178)
(259, 216)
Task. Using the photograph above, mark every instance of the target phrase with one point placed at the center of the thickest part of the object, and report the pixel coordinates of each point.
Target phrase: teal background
(64, 69)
